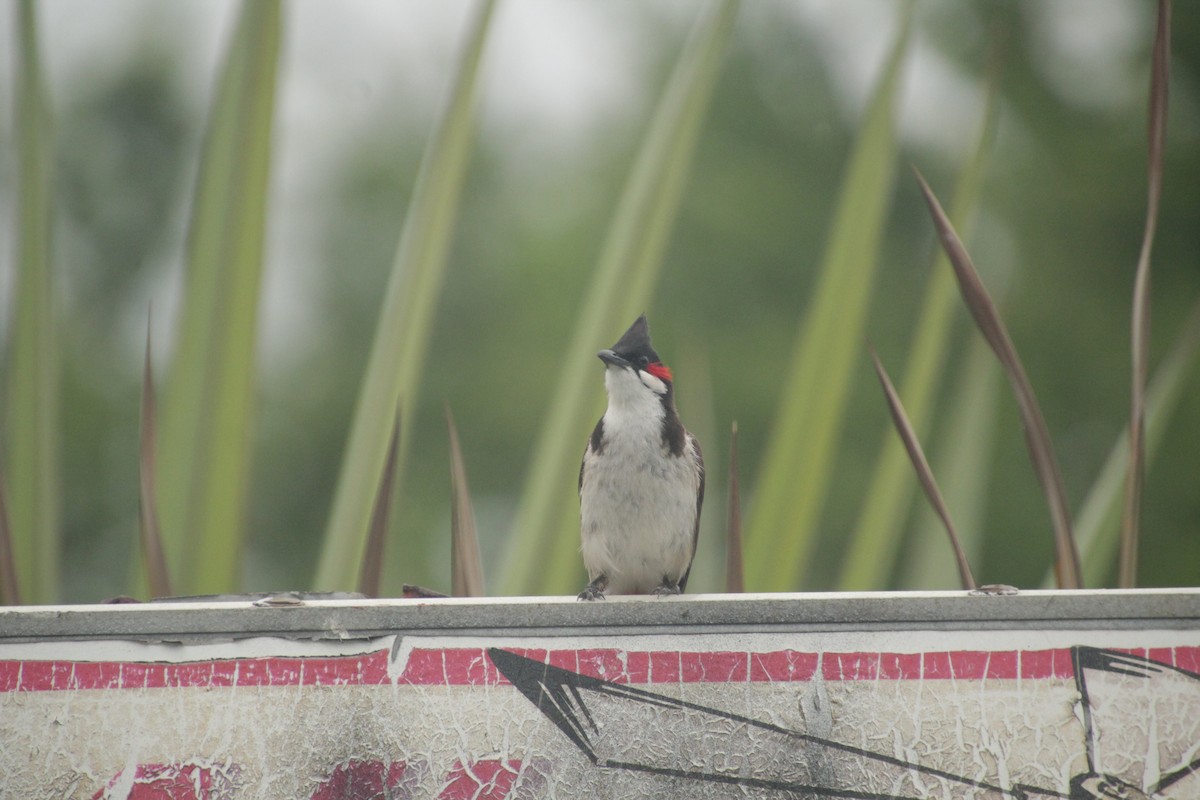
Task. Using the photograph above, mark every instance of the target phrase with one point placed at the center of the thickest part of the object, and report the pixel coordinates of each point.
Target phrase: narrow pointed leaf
(1037, 436)
(795, 474)
(154, 559)
(1140, 324)
(466, 564)
(370, 572)
(1099, 525)
(402, 333)
(31, 403)
(543, 553)
(10, 590)
(204, 460)
(916, 455)
(877, 534)
(967, 433)
(734, 570)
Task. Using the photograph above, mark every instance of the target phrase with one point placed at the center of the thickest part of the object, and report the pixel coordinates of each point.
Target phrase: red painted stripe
(42, 676)
(470, 666)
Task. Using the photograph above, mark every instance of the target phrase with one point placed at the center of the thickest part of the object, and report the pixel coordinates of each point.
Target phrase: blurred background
(567, 89)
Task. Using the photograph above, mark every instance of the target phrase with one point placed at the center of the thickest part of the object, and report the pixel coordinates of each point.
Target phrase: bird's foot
(667, 588)
(594, 590)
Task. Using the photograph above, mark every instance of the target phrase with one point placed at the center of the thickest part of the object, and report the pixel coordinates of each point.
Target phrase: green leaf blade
(796, 471)
(401, 341)
(208, 408)
(32, 404)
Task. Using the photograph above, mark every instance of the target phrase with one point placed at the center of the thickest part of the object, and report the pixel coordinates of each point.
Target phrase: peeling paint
(1069, 713)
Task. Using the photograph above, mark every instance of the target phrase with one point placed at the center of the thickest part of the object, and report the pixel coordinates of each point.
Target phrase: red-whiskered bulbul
(641, 483)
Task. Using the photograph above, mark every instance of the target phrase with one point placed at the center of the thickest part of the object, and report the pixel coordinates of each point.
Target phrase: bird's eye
(643, 361)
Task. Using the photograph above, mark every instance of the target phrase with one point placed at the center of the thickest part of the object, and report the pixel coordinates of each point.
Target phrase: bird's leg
(667, 588)
(595, 589)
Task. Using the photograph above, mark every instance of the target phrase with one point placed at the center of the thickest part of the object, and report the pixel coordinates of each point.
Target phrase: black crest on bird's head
(635, 342)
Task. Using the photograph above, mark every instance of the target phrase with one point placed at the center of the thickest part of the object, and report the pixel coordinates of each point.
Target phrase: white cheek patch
(652, 382)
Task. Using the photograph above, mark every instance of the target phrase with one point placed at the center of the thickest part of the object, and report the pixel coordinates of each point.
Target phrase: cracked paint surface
(865, 715)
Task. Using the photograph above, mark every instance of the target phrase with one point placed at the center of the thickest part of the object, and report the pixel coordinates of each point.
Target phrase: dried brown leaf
(1037, 436)
(466, 564)
(924, 474)
(734, 571)
(157, 575)
(9, 590)
(370, 571)
(1160, 76)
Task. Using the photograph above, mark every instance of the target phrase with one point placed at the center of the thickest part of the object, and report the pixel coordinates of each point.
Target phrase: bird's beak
(612, 359)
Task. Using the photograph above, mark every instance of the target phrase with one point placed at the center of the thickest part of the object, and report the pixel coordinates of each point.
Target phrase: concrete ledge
(924, 696)
(547, 616)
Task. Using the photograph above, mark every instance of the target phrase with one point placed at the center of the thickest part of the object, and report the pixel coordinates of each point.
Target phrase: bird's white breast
(638, 502)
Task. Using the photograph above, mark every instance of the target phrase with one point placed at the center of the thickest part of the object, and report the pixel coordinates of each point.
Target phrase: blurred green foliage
(1060, 221)
(208, 409)
(396, 366)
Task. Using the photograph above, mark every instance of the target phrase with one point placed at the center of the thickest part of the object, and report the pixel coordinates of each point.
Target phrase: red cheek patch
(660, 371)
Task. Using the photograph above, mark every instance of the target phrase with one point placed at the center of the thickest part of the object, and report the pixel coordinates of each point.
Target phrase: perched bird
(641, 483)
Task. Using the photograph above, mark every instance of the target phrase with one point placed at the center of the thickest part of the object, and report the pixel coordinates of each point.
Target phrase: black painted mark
(623, 727)
(1117, 707)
